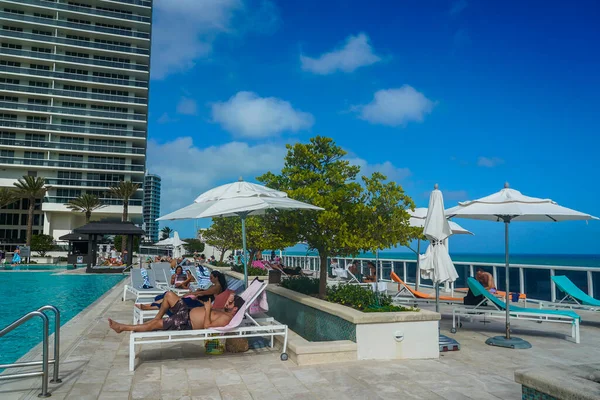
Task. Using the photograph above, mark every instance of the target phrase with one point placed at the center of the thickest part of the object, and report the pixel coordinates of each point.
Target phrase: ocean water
(23, 292)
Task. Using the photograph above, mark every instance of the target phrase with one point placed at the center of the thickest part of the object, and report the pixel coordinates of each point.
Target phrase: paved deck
(95, 361)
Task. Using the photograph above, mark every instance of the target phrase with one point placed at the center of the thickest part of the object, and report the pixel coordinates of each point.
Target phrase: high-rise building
(151, 206)
(74, 79)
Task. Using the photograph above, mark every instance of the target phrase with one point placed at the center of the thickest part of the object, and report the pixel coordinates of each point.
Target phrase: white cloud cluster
(489, 162)
(248, 115)
(396, 107)
(388, 169)
(356, 52)
(184, 30)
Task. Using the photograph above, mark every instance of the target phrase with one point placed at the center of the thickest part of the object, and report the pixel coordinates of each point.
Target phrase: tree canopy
(194, 245)
(361, 213)
(42, 244)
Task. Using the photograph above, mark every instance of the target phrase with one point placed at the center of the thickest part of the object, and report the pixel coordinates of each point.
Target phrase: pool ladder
(45, 338)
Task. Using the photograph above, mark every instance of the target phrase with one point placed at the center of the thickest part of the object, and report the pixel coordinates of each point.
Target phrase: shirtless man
(486, 279)
(185, 319)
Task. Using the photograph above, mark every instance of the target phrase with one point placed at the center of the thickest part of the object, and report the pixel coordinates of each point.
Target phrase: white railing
(386, 265)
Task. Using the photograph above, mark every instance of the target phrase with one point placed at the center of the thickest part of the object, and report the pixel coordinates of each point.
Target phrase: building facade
(151, 206)
(74, 80)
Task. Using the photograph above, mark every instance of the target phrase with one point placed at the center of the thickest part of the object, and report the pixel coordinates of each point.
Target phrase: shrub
(302, 284)
(251, 270)
(362, 299)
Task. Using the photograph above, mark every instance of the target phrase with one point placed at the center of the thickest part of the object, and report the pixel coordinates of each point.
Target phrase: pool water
(23, 292)
(32, 267)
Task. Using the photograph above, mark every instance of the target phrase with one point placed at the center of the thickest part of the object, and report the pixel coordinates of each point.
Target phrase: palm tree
(7, 196)
(86, 203)
(124, 191)
(31, 188)
(166, 232)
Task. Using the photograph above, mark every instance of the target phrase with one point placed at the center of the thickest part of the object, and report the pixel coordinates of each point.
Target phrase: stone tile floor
(95, 366)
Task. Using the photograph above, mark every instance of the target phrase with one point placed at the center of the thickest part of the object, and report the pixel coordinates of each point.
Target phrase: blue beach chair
(575, 298)
(492, 307)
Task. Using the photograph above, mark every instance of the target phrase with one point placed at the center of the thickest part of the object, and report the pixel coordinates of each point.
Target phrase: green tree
(7, 196)
(124, 191)
(86, 203)
(42, 244)
(261, 234)
(30, 188)
(360, 213)
(224, 235)
(194, 245)
(120, 243)
(165, 232)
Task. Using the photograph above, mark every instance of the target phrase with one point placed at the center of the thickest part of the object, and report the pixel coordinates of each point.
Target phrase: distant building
(151, 208)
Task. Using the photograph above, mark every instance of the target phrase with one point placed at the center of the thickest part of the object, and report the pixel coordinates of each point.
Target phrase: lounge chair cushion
(568, 287)
(221, 298)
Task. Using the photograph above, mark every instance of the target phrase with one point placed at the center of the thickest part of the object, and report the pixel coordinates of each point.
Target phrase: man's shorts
(179, 320)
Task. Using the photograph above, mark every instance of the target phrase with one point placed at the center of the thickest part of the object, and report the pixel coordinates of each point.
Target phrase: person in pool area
(372, 277)
(168, 300)
(486, 279)
(184, 318)
(16, 256)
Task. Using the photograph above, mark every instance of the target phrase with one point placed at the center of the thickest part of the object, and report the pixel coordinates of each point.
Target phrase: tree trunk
(125, 214)
(222, 255)
(88, 216)
(30, 221)
(323, 274)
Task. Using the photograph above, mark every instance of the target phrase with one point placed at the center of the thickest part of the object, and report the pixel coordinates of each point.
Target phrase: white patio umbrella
(506, 206)
(417, 220)
(436, 263)
(238, 199)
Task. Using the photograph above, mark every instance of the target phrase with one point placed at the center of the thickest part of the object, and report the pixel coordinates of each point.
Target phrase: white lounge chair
(232, 330)
(498, 310)
(137, 281)
(162, 274)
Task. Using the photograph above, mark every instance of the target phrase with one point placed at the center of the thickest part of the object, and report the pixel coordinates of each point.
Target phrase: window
(108, 108)
(79, 4)
(115, 59)
(108, 91)
(76, 71)
(79, 21)
(34, 154)
(40, 15)
(38, 101)
(35, 136)
(106, 177)
(70, 157)
(71, 139)
(38, 32)
(39, 84)
(7, 153)
(12, 46)
(76, 54)
(32, 173)
(37, 119)
(109, 75)
(105, 142)
(106, 160)
(69, 175)
(9, 10)
(75, 88)
(124, 28)
(11, 81)
(9, 98)
(75, 37)
(111, 42)
(76, 122)
(39, 66)
(11, 117)
(108, 125)
(12, 28)
(7, 135)
(10, 63)
(73, 105)
(114, 10)
(68, 193)
(41, 49)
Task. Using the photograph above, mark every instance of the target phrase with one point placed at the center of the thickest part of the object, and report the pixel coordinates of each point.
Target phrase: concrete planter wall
(378, 336)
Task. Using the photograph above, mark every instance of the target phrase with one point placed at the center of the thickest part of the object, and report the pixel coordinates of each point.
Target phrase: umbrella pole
(506, 254)
(418, 275)
(244, 256)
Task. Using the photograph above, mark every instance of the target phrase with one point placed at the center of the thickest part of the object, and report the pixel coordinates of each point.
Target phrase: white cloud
(388, 169)
(396, 107)
(356, 52)
(489, 162)
(184, 30)
(187, 170)
(165, 118)
(247, 115)
(457, 7)
(187, 106)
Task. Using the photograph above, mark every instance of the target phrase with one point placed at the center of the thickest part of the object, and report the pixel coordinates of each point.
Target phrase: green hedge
(251, 270)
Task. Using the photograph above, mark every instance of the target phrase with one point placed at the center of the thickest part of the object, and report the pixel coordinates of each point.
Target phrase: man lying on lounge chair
(185, 319)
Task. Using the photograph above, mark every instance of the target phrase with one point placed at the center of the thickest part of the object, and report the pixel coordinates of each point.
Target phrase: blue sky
(467, 94)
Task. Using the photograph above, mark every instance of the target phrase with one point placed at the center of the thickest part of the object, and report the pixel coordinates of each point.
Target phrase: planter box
(378, 336)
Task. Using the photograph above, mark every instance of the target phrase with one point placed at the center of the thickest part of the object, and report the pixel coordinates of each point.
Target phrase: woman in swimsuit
(179, 279)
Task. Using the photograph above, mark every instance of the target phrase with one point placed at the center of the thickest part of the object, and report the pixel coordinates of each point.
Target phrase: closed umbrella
(436, 264)
(506, 206)
(238, 199)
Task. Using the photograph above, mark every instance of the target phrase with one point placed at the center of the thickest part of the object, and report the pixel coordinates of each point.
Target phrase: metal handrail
(45, 361)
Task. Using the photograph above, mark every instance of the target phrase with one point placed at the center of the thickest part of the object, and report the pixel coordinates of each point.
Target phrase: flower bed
(252, 271)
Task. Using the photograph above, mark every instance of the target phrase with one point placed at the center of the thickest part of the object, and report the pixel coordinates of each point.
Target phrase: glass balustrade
(70, 164)
(86, 10)
(105, 201)
(71, 146)
(81, 182)
(72, 93)
(70, 128)
(70, 111)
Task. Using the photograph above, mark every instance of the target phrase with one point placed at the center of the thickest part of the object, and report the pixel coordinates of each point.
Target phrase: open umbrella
(436, 264)
(238, 199)
(417, 220)
(506, 206)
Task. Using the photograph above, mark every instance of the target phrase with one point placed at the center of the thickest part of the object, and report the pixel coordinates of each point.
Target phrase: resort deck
(94, 365)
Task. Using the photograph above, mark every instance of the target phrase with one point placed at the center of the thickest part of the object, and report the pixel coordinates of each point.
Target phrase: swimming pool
(23, 292)
(32, 267)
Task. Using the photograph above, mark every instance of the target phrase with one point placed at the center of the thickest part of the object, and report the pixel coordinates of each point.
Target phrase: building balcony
(67, 111)
(105, 201)
(81, 183)
(73, 60)
(70, 164)
(73, 42)
(35, 126)
(86, 10)
(73, 93)
(44, 145)
(73, 77)
(66, 24)
(142, 3)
